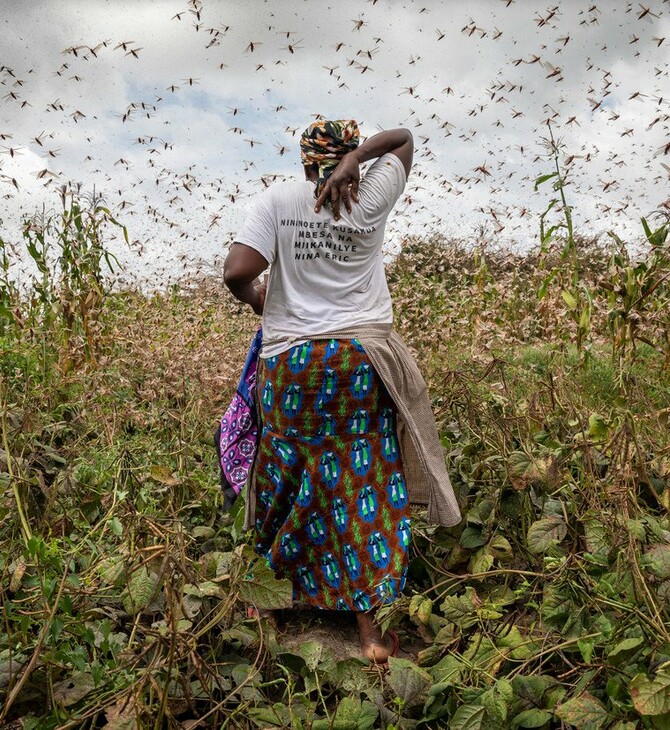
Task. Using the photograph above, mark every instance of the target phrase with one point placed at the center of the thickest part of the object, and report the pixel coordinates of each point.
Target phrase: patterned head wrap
(325, 142)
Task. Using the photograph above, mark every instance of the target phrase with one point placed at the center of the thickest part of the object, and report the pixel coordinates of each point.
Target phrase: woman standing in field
(347, 436)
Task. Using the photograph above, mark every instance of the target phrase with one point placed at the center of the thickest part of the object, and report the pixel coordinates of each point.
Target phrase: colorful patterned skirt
(332, 507)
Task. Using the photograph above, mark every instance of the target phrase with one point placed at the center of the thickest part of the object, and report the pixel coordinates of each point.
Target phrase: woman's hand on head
(341, 186)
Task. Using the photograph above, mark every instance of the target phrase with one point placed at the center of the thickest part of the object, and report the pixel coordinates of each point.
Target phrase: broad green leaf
(447, 672)
(625, 646)
(499, 544)
(111, 569)
(585, 712)
(116, 526)
(462, 609)
(276, 716)
(585, 647)
(468, 717)
(243, 634)
(651, 696)
(517, 463)
(408, 681)
(471, 537)
(260, 587)
(141, 589)
(598, 429)
(351, 714)
(519, 645)
(531, 718)
(655, 527)
(496, 699)
(481, 561)
(636, 529)
(596, 536)
(484, 655)
(656, 560)
(533, 687)
(524, 470)
(545, 533)
(69, 691)
(311, 652)
(425, 611)
(414, 603)
(350, 675)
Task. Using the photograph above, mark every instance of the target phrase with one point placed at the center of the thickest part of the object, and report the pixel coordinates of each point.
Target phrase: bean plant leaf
(311, 652)
(657, 560)
(585, 712)
(141, 589)
(447, 672)
(481, 561)
(425, 611)
(349, 675)
(499, 545)
(531, 718)
(598, 428)
(625, 647)
(545, 533)
(471, 537)
(350, 714)
(69, 691)
(651, 695)
(484, 655)
(409, 682)
(596, 536)
(260, 587)
(496, 699)
(276, 716)
(519, 645)
(468, 717)
(111, 569)
(462, 610)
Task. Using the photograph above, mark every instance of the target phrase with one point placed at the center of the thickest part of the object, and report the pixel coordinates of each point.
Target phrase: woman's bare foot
(375, 647)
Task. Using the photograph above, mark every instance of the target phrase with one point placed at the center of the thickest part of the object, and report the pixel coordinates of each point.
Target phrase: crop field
(124, 582)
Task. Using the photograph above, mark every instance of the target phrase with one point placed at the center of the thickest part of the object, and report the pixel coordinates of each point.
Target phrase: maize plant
(634, 314)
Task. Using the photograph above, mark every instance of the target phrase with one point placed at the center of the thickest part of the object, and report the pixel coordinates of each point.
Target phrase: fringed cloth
(332, 508)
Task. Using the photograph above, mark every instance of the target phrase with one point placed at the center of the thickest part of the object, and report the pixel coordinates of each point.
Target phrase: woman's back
(325, 273)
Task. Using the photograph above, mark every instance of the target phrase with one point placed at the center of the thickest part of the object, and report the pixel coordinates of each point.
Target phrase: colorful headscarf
(325, 142)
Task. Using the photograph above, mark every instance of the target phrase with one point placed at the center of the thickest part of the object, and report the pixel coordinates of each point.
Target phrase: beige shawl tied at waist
(422, 453)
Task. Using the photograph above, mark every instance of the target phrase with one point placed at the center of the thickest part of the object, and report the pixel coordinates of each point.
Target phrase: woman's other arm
(241, 270)
(343, 183)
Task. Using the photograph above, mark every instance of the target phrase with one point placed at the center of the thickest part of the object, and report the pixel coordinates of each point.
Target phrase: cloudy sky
(180, 112)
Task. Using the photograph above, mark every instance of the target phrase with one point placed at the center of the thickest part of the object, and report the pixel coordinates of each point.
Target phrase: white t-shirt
(324, 274)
